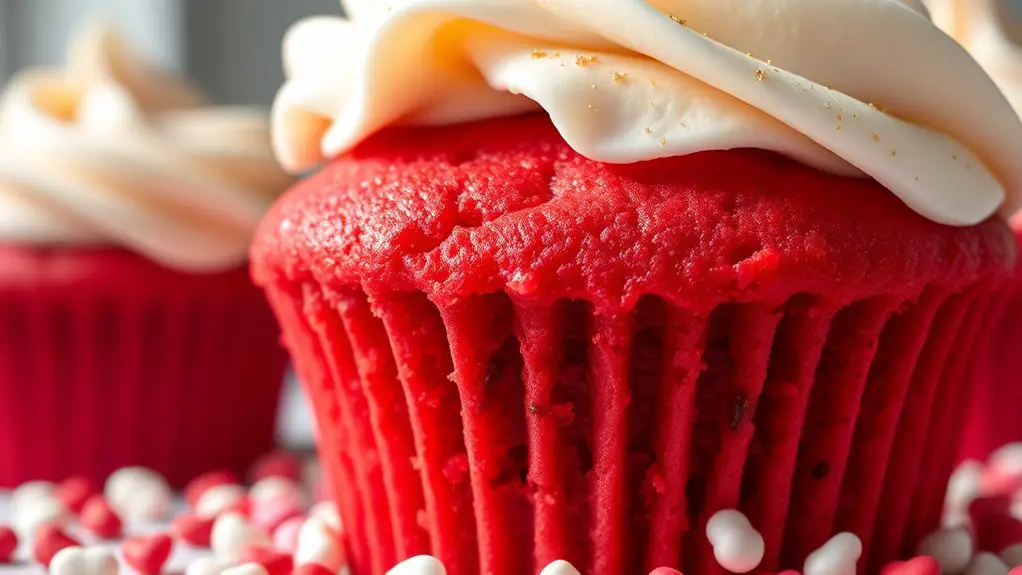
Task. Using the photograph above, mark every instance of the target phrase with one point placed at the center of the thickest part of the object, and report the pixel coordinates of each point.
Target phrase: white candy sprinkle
(952, 548)
(26, 493)
(138, 494)
(247, 569)
(31, 514)
(327, 511)
(737, 546)
(232, 533)
(986, 564)
(219, 498)
(1006, 460)
(275, 488)
(421, 565)
(559, 567)
(965, 484)
(79, 561)
(208, 566)
(837, 556)
(1012, 555)
(318, 543)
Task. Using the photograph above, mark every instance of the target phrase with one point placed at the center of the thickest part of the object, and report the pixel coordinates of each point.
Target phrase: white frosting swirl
(114, 151)
(632, 80)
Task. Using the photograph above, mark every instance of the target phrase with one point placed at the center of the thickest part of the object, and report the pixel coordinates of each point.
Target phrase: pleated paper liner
(501, 434)
(997, 395)
(107, 360)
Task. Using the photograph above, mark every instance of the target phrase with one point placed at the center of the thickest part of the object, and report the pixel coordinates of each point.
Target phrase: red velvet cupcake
(130, 331)
(576, 334)
(991, 33)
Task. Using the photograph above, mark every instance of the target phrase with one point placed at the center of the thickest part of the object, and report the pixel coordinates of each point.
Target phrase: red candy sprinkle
(1016, 571)
(995, 532)
(276, 562)
(50, 540)
(917, 566)
(194, 530)
(147, 553)
(276, 464)
(75, 491)
(99, 519)
(200, 484)
(317, 569)
(8, 543)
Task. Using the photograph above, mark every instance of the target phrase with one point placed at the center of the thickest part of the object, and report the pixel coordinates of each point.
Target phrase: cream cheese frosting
(864, 88)
(112, 150)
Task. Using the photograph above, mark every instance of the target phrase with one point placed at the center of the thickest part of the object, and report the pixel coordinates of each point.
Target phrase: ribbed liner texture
(182, 381)
(995, 416)
(500, 435)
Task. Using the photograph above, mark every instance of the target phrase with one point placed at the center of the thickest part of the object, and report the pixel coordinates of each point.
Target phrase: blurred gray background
(231, 47)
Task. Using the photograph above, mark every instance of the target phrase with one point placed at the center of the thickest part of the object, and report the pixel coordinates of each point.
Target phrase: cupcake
(573, 277)
(130, 331)
(992, 35)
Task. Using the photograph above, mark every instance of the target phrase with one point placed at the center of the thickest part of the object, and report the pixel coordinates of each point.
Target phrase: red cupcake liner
(500, 433)
(996, 395)
(107, 360)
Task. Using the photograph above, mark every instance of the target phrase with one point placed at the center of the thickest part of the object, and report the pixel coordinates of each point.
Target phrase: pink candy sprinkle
(664, 571)
(276, 464)
(75, 491)
(50, 540)
(276, 562)
(194, 530)
(99, 519)
(270, 514)
(285, 536)
(199, 485)
(917, 566)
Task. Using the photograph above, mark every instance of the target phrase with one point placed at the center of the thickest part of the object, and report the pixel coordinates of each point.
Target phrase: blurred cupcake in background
(130, 333)
(991, 30)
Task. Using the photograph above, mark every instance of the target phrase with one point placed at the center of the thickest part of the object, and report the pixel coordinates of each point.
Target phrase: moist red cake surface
(518, 355)
(507, 204)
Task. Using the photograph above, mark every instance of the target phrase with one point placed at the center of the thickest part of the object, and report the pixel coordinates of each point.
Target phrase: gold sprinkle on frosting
(663, 141)
(681, 21)
(649, 130)
(593, 108)
(537, 53)
(876, 138)
(619, 76)
(584, 59)
(761, 75)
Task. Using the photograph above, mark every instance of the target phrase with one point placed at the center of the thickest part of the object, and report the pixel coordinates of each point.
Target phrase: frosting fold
(113, 150)
(865, 88)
